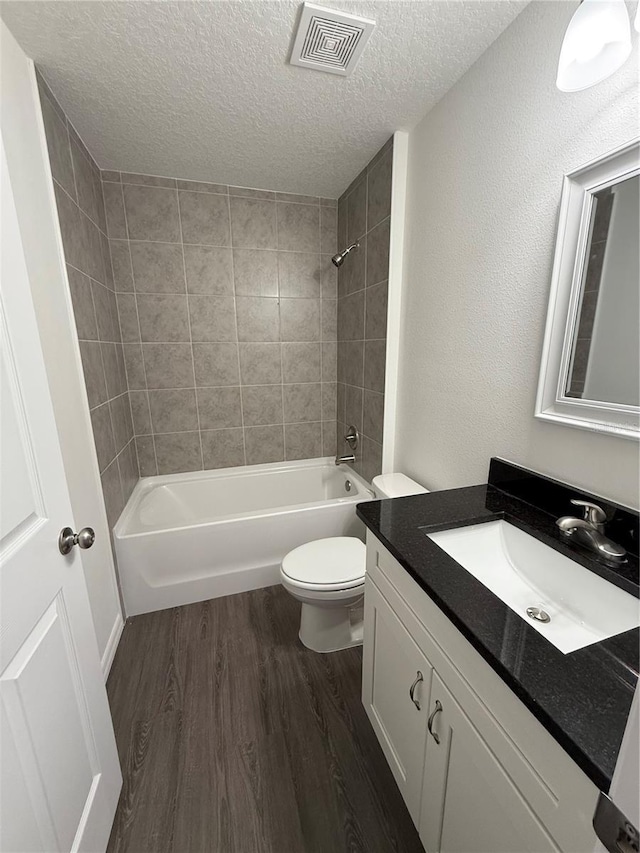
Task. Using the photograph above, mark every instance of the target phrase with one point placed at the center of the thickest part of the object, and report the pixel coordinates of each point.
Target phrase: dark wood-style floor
(234, 738)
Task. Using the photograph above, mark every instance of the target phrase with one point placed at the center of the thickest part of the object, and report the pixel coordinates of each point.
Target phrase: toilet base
(331, 629)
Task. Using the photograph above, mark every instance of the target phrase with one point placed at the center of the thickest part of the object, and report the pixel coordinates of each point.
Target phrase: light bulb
(597, 42)
(588, 46)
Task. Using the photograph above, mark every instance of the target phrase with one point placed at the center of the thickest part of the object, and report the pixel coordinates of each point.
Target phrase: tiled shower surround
(364, 215)
(227, 305)
(208, 317)
(78, 192)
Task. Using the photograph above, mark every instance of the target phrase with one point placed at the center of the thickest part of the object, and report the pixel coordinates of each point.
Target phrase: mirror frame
(572, 243)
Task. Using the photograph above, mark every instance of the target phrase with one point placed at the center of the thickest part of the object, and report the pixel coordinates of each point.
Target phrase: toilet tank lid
(396, 486)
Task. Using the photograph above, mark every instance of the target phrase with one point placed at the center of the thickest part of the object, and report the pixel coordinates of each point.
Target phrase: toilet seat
(329, 564)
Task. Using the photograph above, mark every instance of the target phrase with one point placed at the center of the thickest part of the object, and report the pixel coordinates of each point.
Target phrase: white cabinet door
(59, 774)
(396, 682)
(469, 802)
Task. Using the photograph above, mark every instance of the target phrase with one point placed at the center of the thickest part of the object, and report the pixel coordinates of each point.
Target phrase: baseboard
(112, 645)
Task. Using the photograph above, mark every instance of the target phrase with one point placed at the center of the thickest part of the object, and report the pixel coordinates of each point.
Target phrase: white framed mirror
(590, 370)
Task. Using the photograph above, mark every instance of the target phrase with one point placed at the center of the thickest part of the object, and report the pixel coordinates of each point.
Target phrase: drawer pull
(412, 689)
(432, 717)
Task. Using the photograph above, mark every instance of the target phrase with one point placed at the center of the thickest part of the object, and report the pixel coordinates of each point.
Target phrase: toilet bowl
(327, 577)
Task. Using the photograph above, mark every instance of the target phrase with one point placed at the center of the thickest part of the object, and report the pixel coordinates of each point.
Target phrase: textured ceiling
(203, 90)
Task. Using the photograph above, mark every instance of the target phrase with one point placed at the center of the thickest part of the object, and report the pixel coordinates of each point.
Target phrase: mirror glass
(605, 350)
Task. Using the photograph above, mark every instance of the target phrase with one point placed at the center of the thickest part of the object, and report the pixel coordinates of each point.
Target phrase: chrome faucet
(589, 532)
(352, 436)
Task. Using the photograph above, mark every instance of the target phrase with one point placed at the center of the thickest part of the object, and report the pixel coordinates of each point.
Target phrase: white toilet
(327, 576)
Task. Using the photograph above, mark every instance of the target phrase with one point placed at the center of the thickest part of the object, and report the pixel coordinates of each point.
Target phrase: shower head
(338, 259)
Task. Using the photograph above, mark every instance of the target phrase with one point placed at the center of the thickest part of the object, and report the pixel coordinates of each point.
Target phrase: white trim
(394, 307)
(112, 646)
(574, 223)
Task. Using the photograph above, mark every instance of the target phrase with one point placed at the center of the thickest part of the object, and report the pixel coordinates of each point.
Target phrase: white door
(59, 774)
(396, 680)
(469, 802)
(33, 189)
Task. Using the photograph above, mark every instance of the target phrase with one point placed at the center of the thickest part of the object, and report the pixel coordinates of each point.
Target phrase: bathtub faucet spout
(340, 460)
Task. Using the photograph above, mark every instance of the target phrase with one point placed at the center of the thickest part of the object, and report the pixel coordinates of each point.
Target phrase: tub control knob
(83, 539)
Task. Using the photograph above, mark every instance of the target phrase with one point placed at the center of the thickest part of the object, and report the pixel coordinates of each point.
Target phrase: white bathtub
(188, 537)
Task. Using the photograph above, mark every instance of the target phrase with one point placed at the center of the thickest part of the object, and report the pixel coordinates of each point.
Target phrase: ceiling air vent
(330, 41)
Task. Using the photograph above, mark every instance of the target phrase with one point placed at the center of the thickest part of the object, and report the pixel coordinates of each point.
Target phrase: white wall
(485, 177)
(25, 145)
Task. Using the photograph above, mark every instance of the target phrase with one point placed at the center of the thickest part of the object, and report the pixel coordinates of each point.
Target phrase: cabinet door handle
(432, 717)
(412, 689)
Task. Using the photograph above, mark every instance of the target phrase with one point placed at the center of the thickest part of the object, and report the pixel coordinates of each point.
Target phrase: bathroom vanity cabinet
(476, 769)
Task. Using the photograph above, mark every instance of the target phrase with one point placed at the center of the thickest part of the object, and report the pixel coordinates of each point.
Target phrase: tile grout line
(208, 245)
(99, 338)
(73, 168)
(364, 317)
(71, 198)
(235, 313)
(144, 366)
(284, 431)
(228, 187)
(226, 429)
(321, 330)
(118, 455)
(193, 362)
(104, 213)
(247, 196)
(195, 387)
(183, 341)
(221, 296)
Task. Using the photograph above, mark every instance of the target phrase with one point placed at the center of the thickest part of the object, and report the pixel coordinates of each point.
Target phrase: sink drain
(538, 614)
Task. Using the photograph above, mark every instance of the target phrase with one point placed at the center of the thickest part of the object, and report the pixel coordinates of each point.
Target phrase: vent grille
(330, 41)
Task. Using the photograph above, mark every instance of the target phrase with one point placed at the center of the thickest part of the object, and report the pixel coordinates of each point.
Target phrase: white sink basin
(525, 573)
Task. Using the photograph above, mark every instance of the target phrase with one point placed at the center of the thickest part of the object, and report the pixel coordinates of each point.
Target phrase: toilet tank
(396, 486)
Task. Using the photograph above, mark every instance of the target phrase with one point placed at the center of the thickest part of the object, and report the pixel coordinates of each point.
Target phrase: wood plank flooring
(234, 738)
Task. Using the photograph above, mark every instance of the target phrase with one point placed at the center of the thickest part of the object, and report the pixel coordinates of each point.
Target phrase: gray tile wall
(227, 302)
(364, 215)
(81, 211)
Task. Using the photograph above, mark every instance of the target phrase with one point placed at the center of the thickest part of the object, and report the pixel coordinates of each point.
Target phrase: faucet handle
(593, 513)
(352, 436)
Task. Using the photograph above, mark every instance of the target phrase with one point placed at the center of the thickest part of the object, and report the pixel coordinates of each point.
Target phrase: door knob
(83, 539)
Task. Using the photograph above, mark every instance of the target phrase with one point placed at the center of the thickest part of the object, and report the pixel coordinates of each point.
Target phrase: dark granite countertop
(582, 698)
